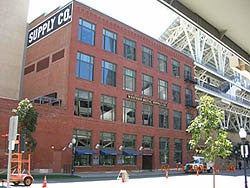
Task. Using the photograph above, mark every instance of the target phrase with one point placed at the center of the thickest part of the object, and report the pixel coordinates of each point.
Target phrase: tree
(27, 118)
(208, 137)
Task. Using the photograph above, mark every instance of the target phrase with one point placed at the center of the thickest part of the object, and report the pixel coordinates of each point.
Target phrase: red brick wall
(55, 125)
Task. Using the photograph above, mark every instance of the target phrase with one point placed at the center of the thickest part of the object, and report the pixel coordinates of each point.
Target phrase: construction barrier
(230, 168)
(179, 167)
(165, 167)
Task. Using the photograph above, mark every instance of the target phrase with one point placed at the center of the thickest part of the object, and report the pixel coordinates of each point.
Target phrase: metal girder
(212, 71)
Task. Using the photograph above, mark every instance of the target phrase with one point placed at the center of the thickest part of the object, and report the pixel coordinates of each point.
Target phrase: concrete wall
(13, 16)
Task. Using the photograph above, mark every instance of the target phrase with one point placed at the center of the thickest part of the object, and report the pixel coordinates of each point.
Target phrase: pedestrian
(239, 165)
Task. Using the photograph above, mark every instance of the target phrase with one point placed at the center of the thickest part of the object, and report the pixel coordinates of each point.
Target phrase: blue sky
(147, 16)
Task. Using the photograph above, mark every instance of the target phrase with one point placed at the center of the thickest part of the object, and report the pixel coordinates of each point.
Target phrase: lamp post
(243, 135)
(73, 142)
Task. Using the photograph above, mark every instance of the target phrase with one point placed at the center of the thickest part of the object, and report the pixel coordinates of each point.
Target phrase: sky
(147, 16)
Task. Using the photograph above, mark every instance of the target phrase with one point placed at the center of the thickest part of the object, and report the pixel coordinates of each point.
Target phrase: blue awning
(86, 151)
(131, 152)
(109, 152)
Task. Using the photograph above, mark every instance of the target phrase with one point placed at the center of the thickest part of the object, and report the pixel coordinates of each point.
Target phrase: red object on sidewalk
(167, 174)
(197, 172)
(44, 182)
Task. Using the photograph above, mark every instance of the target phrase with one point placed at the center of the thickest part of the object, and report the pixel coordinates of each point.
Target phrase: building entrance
(147, 162)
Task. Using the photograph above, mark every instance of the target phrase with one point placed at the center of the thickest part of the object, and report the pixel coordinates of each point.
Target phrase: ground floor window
(164, 150)
(82, 160)
(107, 160)
(129, 160)
(178, 150)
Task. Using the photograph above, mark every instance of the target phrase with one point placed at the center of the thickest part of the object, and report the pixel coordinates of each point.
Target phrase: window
(162, 90)
(107, 141)
(108, 108)
(109, 41)
(147, 85)
(175, 68)
(148, 142)
(86, 32)
(83, 140)
(177, 120)
(129, 112)
(129, 142)
(29, 69)
(42, 64)
(83, 103)
(108, 73)
(147, 56)
(178, 150)
(162, 63)
(147, 115)
(163, 150)
(163, 118)
(84, 66)
(189, 118)
(129, 79)
(129, 49)
(58, 55)
(187, 73)
(176, 93)
(188, 146)
(188, 97)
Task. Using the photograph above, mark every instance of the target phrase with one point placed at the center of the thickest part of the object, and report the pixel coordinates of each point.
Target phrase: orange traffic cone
(166, 174)
(123, 178)
(44, 182)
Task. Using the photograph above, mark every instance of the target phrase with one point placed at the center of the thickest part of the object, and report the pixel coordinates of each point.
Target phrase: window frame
(162, 86)
(147, 111)
(109, 41)
(84, 62)
(129, 106)
(78, 102)
(162, 62)
(175, 68)
(129, 74)
(109, 71)
(87, 27)
(129, 45)
(164, 124)
(147, 81)
(177, 119)
(147, 56)
(176, 92)
(105, 101)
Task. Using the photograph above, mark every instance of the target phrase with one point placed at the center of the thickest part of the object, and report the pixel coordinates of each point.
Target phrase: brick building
(123, 96)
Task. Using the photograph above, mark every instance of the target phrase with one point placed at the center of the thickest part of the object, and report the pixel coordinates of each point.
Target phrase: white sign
(242, 150)
(13, 128)
(54, 22)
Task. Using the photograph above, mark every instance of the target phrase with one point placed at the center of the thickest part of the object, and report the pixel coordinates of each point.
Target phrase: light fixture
(140, 148)
(73, 141)
(97, 146)
(242, 133)
(120, 148)
(52, 147)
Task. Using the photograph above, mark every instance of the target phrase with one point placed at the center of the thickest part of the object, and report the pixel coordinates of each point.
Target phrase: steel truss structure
(218, 72)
